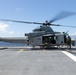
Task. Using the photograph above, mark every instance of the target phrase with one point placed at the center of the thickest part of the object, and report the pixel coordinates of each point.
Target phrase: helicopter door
(59, 39)
(36, 41)
(49, 39)
(45, 39)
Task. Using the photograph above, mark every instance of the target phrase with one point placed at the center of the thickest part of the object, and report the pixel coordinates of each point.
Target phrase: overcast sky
(34, 10)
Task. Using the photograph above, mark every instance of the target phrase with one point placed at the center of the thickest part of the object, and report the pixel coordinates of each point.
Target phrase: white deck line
(70, 55)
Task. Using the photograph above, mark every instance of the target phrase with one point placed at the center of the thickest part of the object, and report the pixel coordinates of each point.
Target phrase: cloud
(73, 34)
(3, 27)
(11, 32)
(5, 31)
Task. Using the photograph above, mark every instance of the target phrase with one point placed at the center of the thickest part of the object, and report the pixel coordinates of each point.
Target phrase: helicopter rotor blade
(62, 15)
(68, 26)
(20, 21)
(63, 25)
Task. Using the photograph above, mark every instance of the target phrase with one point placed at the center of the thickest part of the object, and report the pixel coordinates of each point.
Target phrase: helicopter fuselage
(45, 36)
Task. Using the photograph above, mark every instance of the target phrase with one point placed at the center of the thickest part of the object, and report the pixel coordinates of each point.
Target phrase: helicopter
(44, 36)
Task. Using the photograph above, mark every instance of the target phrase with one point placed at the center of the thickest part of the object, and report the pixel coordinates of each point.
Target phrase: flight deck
(35, 61)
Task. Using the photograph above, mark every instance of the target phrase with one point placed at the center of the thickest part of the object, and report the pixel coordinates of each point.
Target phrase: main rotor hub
(46, 23)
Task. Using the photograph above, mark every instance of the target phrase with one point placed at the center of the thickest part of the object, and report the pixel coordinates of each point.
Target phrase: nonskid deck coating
(26, 62)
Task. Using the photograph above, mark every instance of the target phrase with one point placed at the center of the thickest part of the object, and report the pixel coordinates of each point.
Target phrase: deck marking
(70, 55)
(43, 50)
(21, 50)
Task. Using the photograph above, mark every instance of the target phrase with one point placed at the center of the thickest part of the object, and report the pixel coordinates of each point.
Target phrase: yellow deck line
(21, 50)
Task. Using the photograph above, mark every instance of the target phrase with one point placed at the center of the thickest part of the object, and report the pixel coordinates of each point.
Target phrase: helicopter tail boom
(18, 40)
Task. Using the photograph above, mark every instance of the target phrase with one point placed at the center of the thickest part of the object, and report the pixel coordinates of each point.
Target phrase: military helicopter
(44, 36)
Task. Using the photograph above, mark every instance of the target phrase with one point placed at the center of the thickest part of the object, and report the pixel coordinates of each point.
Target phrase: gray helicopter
(44, 36)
